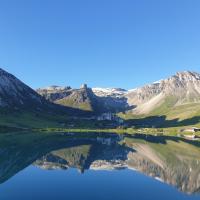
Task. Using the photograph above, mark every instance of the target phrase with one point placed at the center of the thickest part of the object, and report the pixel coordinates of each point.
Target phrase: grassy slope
(30, 120)
(45, 121)
(184, 111)
(86, 106)
(171, 111)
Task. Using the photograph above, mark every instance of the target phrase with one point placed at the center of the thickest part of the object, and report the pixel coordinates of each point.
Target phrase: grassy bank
(59, 124)
(131, 131)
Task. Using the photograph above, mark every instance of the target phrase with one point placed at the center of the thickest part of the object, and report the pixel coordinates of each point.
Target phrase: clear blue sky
(107, 43)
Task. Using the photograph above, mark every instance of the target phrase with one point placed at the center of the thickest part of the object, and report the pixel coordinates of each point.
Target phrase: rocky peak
(83, 86)
(188, 78)
(183, 88)
(188, 75)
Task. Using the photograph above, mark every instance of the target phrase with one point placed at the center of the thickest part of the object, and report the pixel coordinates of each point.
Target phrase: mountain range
(177, 97)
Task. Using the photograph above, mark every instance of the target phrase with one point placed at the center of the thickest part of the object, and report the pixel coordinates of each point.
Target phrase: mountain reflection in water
(172, 160)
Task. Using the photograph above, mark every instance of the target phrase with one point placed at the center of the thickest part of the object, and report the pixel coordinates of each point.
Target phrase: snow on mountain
(109, 92)
(53, 89)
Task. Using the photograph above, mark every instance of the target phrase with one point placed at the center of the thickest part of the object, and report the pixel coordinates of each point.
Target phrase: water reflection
(172, 160)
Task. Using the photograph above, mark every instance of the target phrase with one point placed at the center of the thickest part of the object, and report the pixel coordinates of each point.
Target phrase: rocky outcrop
(54, 93)
(85, 98)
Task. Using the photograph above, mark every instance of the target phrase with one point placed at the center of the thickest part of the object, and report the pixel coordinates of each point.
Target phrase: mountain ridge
(21, 106)
(176, 97)
(179, 89)
(96, 100)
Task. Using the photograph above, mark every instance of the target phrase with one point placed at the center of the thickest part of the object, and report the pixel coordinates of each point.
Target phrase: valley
(170, 104)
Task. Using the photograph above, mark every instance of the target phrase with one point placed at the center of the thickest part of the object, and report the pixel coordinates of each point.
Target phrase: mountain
(21, 106)
(15, 94)
(83, 98)
(174, 99)
(177, 96)
(96, 100)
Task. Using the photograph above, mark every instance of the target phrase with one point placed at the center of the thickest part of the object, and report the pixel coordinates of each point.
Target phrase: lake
(98, 166)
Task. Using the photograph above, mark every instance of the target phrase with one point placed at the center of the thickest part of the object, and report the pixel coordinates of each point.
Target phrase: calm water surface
(44, 166)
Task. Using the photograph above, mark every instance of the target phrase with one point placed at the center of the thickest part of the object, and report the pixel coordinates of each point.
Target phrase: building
(105, 116)
(191, 130)
(190, 136)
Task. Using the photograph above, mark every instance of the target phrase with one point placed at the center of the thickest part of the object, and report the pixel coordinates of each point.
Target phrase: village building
(105, 116)
(191, 130)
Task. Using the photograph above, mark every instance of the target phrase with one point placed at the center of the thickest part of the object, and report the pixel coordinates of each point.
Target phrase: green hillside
(167, 115)
(70, 102)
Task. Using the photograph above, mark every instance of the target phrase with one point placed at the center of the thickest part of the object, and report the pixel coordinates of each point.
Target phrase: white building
(105, 116)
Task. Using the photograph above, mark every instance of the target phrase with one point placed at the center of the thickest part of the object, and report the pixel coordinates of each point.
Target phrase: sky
(104, 43)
